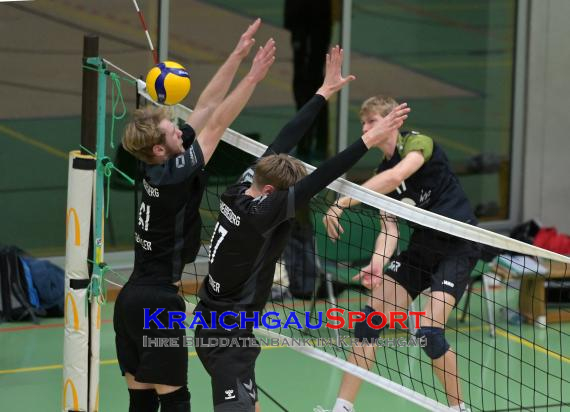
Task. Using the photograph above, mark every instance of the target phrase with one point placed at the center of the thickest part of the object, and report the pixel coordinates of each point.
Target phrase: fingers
(348, 79)
(400, 112)
(358, 276)
(331, 224)
(266, 52)
(336, 54)
(331, 229)
(365, 277)
(252, 29)
(396, 117)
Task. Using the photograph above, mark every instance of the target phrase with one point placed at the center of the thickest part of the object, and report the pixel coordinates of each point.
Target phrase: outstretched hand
(246, 41)
(262, 61)
(334, 81)
(369, 276)
(331, 222)
(382, 129)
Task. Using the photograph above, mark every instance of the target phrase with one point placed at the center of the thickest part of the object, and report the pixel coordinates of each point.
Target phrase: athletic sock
(177, 401)
(461, 407)
(343, 405)
(143, 400)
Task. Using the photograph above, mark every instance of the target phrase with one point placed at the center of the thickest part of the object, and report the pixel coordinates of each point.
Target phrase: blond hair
(379, 104)
(143, 133)
(280, 170)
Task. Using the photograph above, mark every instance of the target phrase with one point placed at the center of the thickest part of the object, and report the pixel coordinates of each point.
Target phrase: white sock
(461, 407)
(342, 405)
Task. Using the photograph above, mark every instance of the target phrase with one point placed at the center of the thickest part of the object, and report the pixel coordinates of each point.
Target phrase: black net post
(89, 95)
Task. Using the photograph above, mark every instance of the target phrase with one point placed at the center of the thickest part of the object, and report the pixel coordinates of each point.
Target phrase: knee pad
(177, 401)
(435, 343)
(145, 400)
(362, 331)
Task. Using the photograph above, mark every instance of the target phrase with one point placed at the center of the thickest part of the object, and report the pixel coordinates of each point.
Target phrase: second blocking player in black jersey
(251, 232)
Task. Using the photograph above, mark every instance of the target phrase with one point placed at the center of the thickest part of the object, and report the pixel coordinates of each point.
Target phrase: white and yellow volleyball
(168, 83)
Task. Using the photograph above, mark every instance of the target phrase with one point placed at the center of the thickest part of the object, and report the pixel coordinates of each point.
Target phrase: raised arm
(390, 179)
(219, 85)
(384, 182)
(334, 167)
(293, 131)
(230, 108)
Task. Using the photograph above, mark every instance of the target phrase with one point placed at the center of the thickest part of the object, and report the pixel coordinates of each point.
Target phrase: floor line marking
(532, 346)
(33, 142)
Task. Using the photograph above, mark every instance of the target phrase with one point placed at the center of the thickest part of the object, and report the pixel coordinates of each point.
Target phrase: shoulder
(188, 135)
(267, 204)
(237, 189)
(415, 141)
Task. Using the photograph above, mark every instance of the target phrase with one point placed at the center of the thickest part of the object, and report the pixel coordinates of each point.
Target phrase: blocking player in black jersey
(249, 237)
(168, 230)
(415, 170)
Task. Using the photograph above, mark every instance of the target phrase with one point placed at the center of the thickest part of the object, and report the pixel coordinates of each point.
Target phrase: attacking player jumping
(415, 170)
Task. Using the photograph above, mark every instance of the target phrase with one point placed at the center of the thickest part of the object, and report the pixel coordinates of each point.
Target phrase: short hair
(379, 104)
(142, 132)
(279, 170)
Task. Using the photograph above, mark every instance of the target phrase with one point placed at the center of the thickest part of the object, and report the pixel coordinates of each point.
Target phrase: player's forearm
(218, 87)
(386, 243)
(293, 132)
(224, 115)
(215, 91)
(331, 169)
(384, 182)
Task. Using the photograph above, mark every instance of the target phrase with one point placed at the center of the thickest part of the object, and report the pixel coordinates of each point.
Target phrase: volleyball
(168, 83)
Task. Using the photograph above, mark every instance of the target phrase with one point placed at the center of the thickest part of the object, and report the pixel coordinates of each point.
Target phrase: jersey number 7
(215, 243)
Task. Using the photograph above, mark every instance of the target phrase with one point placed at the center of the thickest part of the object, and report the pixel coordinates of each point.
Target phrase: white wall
(546, 176)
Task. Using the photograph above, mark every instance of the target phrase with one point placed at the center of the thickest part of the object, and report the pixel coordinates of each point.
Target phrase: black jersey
(168, 225)
(247, 241)
(251, 233)
(433, 186)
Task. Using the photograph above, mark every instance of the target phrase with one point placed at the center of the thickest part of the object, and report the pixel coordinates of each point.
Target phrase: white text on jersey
(145, 244)
(229, 214)
(151, 191)
(213, 284)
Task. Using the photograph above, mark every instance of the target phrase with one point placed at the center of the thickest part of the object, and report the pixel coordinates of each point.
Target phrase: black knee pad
(145, 400)
(177, 401)
(435, 343)
(363, 332)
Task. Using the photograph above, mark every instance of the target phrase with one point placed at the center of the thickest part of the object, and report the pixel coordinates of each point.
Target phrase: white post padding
(76, 332)
(95, 356)
(95, 322)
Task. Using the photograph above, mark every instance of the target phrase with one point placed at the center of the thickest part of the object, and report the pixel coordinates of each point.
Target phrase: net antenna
(145, 28)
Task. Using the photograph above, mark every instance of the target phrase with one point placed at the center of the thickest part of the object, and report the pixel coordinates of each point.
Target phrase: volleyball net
(505, 329)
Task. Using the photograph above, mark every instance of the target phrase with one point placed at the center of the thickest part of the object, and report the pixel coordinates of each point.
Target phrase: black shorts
(230, 362)
(437, 261)
(138, 350)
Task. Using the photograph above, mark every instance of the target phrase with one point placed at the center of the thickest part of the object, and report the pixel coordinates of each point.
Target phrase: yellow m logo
(69, 298)
(73, 212)
(67, 383)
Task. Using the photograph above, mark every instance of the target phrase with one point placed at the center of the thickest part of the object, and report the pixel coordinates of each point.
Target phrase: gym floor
(492, 369)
